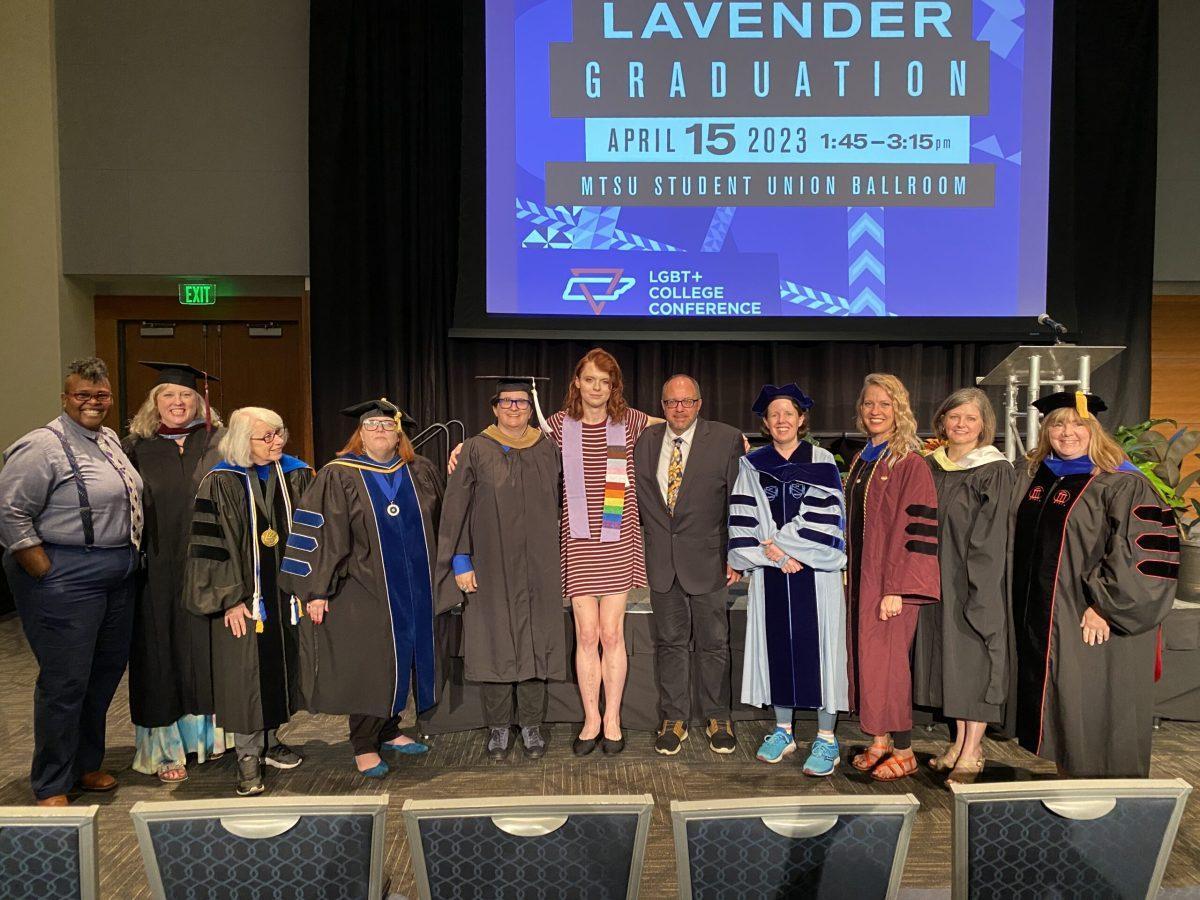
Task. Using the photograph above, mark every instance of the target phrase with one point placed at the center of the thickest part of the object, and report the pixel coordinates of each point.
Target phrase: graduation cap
(1085, 405)
(178, 373)
(370, 409)
(185, 376)
(527, 383)
(770, 392)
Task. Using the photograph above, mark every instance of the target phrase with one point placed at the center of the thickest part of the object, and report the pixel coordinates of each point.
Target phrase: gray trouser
(498, 702)
(702, 620)
(255, 743)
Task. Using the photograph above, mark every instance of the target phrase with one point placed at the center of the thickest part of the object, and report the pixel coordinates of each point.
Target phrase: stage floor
(458, 767)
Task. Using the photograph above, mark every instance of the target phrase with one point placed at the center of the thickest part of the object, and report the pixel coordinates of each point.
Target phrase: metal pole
(1035, 391)
(1010, 419)
(1085, 373)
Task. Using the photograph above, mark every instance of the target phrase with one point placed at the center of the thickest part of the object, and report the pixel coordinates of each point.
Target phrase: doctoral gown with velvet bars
(795, 624)
(170, 659)
(1102, 540)
(502, 509)
(375, 569)
(255, 679)
(892, 547)
(960, 653)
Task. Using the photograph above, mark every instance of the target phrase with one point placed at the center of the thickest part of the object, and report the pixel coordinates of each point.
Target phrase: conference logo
(1036, 494)
(597, 286)
(1061, 498)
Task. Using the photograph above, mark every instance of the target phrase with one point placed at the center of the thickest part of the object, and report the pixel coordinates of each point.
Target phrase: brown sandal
(946, 761)
(869, 758)
(965, 772)
(895, 767)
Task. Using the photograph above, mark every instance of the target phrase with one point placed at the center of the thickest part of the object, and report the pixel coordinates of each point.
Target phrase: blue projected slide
(722, 160)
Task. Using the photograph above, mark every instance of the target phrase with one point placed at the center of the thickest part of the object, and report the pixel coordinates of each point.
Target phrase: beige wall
(45, 320)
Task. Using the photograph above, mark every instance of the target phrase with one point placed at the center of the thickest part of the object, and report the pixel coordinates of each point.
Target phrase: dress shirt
(664, 457)
(39, 502)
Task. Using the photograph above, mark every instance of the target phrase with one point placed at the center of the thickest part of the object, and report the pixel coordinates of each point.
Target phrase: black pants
(498, 702)
(78, 619)
(367, 733)
(701, 620)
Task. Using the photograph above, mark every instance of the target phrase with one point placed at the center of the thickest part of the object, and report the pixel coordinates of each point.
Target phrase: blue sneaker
(823, 757)
(776, 746)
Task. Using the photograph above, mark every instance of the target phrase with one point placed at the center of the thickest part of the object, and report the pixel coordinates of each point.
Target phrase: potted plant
(1161, 457)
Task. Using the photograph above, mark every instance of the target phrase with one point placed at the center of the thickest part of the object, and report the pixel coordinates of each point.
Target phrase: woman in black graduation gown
(1095, 556)
(172, 442)
(361, 558)
(960, 653)
(239, 525)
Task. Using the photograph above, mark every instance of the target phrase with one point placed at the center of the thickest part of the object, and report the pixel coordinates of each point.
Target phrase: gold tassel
(1081, 405)
(258, 626)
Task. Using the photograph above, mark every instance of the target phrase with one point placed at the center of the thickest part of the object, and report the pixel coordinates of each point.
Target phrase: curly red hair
(606, 363)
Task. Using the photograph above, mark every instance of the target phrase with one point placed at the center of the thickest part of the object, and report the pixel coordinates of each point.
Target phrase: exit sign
(198, 294)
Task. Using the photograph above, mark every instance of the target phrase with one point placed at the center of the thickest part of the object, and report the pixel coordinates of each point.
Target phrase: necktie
(136, 518)
(674, 474)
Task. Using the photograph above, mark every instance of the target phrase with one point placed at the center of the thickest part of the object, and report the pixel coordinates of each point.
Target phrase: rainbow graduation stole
(616, 479)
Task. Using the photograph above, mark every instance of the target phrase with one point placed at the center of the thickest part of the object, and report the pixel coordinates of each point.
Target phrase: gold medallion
(270, 537)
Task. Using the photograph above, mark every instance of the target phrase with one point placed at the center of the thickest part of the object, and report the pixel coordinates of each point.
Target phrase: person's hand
(452, 462)
(790, 566)
(774, 554)
(732, 575)
(745, 443)
(33, 560)
(890, 607)
(1095, 629)
(235, 619)
(466, 582)
(317, 610)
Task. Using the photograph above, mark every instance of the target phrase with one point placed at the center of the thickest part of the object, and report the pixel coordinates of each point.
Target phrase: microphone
(1055, 326)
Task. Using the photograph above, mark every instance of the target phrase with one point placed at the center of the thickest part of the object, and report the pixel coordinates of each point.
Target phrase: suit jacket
(690, 545)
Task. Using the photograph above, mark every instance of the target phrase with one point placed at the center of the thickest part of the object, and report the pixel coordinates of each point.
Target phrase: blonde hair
(903, 439)
(235, 445)
(146, 420)
(1106, 454)
(962, 397)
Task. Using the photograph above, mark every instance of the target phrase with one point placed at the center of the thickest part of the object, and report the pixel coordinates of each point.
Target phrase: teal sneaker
(776, 746)
(823, 757)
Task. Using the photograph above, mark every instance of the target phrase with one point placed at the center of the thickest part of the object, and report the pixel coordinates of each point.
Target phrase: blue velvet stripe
(823, 519)
(741, 542)
(742, 500)
(301, 542)
(820, 537)
(308, 518)
(297, 567)
(831, 500)
(743, 521)
(410, 592)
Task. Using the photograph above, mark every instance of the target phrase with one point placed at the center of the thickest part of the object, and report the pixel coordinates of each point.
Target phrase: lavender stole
(615, 480)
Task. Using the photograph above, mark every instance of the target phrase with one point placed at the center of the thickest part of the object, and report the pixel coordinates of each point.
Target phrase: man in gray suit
(686, 469)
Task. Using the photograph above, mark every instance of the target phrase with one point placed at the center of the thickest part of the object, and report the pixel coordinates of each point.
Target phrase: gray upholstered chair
(295, 847)
(48, 852)
(1065, 839)
(528, 847)
(814, 846)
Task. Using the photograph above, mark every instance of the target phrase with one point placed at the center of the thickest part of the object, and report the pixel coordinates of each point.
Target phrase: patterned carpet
(458, 767)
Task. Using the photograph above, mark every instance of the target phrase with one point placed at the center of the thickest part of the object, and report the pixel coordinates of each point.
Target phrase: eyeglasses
(271, 436)
(686, 403)
(377, 424)
(87, 396)
(513, 403)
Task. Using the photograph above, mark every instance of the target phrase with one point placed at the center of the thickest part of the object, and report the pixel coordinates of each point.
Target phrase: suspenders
(85, 506)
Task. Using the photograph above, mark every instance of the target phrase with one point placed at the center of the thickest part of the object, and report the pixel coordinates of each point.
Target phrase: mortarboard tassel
(1081, 405)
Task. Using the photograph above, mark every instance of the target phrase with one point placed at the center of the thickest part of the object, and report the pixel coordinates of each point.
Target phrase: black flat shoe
(613, 747)
(582, 747)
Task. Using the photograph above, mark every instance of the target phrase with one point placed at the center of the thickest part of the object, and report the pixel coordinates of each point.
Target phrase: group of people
(241, 585)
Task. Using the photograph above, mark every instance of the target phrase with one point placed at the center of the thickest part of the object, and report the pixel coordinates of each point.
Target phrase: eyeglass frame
(518, 403)
(379, 424)
(685, 402)
(89, 396)
(269, 438)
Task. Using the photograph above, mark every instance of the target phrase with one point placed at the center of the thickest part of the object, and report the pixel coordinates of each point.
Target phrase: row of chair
(1061, 839)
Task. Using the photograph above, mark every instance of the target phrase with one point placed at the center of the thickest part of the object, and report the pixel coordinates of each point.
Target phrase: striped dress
(590, 568)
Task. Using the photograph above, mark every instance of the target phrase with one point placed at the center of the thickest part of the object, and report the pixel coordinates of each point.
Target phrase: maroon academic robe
(892, 548)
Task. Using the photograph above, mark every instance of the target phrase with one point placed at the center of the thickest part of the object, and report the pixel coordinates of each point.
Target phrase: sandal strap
(895, 767)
